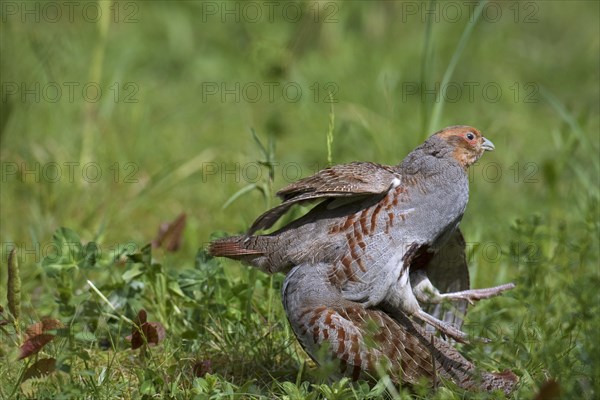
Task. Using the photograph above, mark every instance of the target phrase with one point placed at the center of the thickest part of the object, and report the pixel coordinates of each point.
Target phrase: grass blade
(238, 194)
(330, 131)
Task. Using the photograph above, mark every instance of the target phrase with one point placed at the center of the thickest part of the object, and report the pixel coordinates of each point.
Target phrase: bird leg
(425, 292)
(444, 327)
(473, 295)
(403, 299)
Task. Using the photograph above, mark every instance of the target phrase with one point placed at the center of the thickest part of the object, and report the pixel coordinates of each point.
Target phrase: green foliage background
(165, 144)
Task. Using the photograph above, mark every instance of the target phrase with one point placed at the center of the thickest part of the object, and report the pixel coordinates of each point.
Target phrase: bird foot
(478, 294)
(446, 328)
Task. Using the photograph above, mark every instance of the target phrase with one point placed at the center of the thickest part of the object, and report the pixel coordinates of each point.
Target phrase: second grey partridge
(373, 341)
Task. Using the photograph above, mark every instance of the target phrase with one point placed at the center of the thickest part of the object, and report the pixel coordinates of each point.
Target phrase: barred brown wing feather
(268, 218)
(352, 178)
(346, 180)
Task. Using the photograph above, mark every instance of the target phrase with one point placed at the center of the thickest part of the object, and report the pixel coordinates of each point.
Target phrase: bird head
(467, 143)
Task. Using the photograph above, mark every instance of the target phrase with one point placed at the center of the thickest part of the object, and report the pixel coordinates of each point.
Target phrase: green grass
(166, 146)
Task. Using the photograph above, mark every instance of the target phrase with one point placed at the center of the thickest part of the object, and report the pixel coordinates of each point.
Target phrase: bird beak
(487, 145)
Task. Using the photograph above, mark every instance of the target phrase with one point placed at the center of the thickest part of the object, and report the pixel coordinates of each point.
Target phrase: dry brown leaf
(36, 339)
(46, 324)
(34, 345)
(550, 390)
(170, 233)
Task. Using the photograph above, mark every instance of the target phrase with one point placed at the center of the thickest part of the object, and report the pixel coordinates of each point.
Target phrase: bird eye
(470, 136)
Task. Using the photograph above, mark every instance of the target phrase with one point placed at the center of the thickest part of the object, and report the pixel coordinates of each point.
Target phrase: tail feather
(232, 247)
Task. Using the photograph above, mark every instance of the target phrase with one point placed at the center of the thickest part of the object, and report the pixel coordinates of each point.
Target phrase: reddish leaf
(202, 368)
(549, 390)
(153, 332)
(47, 324)
(136, 340)
(148, 332)
(34, 344)
(36, 339)
(41, 367)
(142, 317)
(169, 234)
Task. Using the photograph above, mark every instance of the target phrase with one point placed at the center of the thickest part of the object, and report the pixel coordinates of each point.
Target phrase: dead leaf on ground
(36, 338)
(46, 324)
(170, 233)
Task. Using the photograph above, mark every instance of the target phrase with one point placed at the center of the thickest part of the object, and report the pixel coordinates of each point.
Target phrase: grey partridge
(378, 238)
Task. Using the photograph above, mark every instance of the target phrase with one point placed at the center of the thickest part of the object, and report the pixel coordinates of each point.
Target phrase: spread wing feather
(448, 272)
(355, 179)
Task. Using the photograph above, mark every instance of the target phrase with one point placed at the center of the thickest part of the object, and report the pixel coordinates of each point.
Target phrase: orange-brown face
(468, 143)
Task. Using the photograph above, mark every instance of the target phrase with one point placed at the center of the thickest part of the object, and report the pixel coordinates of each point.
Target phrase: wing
(448, 272)
(346, 179)
(356, 179)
